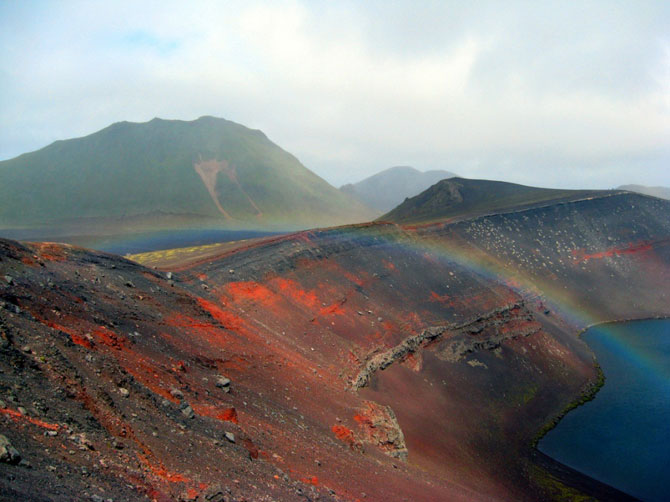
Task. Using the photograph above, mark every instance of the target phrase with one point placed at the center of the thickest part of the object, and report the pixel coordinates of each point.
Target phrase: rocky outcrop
(485, 332)
(379, 426)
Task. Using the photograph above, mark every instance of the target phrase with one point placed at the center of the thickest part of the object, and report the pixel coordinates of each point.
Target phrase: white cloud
(559, 94)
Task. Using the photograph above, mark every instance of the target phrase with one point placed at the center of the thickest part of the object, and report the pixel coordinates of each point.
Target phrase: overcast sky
(564, 94)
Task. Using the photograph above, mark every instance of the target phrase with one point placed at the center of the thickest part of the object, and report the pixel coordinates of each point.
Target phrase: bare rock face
(379, 427)
(8, 453)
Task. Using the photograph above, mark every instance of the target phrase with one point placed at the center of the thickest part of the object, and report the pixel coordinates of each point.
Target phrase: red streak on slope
(76, 338)
(18, 417)
(356, 280)
(579, 255)
(434, 297)
(159, 470)
(228, 320)
(334, 309)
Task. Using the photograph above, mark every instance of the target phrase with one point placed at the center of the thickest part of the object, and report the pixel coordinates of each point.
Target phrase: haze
(557, 94)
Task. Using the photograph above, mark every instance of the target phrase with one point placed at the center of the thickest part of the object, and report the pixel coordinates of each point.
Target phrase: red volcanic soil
(359, 363)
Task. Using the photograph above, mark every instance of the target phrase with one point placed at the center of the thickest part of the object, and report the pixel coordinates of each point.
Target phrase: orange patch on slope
(344, 434)
(107, 337)
(250, 290)
(223, 414)
(291, 289)
(51, 252)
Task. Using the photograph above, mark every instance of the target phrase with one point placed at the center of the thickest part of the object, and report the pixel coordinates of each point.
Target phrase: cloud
(557, 94)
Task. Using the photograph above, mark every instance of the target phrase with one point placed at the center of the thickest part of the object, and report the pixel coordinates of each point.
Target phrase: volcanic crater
(374, 361)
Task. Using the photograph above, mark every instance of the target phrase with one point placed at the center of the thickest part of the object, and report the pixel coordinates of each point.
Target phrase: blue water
(168, 239)
(622, 437)
(143, 242)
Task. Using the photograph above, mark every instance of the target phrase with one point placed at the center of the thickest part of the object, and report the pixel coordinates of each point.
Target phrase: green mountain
(464, 198)
(168, 174)
(385, 190)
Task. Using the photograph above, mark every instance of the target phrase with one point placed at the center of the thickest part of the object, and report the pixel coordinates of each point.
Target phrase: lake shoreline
(562, 472)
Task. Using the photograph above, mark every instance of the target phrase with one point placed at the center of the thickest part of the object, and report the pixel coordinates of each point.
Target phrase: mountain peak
(163, 173)
(388, 188)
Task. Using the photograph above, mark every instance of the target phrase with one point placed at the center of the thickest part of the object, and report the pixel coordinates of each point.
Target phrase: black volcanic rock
(460, 197)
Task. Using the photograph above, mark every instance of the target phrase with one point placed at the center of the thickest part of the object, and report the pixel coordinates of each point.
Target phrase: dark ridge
(465, 198)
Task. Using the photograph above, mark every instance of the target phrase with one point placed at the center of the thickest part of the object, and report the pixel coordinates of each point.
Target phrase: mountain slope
(460, 197)
(385, 190)
(209, 172)
(660, 192)
(428, 356)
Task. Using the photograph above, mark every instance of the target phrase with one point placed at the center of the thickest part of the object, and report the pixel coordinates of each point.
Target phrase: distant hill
(460, 197)
(209, 172)
(660, 192)
(385, 190)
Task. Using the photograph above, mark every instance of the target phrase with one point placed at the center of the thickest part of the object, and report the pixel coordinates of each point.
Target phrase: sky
(557, 94)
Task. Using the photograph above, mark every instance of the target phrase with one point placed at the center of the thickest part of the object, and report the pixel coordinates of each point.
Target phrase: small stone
(188, 412)
(51, 433)
(176, 393)
(229, 436)
(130, 284)
(22, 410)
(25, 463)
(222, 381)
(9, 279)
(8, 453)
(231, 271)
(168, 275)
(124, 392)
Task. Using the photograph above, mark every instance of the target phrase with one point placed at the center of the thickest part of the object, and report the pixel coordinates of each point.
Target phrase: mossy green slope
(144, 172)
